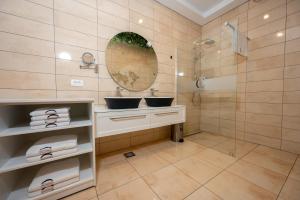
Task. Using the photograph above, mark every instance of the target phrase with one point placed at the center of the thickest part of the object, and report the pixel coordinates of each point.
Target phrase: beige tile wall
(35, 33)
(268, 97)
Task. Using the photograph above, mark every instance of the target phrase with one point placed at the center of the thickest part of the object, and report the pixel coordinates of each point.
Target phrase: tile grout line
(98, 59)
(283, 74)
(284, 58)
(142, 177)
(54, 48)
(287, 177)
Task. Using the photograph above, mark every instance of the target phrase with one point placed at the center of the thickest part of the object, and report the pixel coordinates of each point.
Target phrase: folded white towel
(49, 121)
(54, 175)
(52, 116)
(49, 111)
(51, 125)
(54, 154)
(52, 144)
(54, 187)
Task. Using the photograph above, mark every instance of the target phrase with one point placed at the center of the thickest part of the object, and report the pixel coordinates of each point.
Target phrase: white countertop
(103, 108)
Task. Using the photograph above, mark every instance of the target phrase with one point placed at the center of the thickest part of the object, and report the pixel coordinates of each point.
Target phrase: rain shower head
(204, 42)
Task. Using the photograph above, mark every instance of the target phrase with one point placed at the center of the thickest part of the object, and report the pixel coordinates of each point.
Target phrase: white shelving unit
(16, 137)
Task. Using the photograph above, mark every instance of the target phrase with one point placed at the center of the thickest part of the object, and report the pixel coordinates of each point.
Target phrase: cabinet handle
(127, 118)
(167, 113)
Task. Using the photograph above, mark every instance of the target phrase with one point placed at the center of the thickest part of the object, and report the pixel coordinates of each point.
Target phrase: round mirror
(131, 61)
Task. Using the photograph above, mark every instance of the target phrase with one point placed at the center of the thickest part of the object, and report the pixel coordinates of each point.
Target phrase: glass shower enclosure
(208, 88)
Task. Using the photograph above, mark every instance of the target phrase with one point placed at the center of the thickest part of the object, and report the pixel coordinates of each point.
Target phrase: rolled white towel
(52, 144)
(51, 125)
(52, 116)
(49, 121)
(49, 111)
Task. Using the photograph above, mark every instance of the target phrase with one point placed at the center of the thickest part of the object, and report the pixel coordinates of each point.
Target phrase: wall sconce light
(88, 62)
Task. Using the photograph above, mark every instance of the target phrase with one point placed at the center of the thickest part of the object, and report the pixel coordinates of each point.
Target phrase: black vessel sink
(122, 102)
(159, 101)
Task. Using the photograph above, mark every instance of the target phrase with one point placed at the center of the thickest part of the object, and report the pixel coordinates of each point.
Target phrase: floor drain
(129, 154)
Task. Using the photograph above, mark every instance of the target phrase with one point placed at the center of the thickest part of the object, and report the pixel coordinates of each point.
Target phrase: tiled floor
(195, 170)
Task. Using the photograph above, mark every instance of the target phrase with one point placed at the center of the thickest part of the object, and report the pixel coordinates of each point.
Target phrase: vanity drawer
(117, 124)
(164, 117)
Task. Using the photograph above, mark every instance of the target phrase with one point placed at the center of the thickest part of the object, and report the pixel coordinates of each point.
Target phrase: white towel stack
(50, 147)
(49, 118)
(54, 176)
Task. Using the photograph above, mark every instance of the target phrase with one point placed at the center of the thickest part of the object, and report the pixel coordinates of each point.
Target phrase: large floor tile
(207, 139)
(273, 159)
(109, 158)
(171, 183)
(197, 169)
(179, 151)
(88, 194)
(215, 158)
(232, 187)
(114, 175)
(235, 147)
(265, 178)
(228, 147)
(147, 162)
(242, 148)
(203, 194)
(135, 190)
(291, 190)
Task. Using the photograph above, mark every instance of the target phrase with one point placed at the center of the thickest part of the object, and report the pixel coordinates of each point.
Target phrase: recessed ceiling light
(279, 34)
(65, 56)
(141, 21)
(266, 16)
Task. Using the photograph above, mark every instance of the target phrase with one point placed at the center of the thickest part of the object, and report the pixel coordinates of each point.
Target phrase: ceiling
(201, 11)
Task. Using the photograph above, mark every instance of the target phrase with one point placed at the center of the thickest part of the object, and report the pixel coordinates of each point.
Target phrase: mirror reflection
(131, 61)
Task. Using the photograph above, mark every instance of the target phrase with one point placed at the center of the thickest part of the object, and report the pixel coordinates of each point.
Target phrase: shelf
(25, 129)
(86, 178)
(19, 160)
(16, 136)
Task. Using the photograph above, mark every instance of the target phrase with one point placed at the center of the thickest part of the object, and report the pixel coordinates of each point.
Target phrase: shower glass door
(210, 91)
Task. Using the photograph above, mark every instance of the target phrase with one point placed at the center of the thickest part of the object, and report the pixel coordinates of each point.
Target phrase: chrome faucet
(152, 90)
(119, 90)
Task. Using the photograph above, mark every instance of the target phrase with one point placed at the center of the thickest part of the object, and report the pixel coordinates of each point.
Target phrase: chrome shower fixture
(229, 25)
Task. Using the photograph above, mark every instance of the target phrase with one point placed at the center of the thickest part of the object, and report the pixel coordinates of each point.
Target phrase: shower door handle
(201, 78)
(197, 83)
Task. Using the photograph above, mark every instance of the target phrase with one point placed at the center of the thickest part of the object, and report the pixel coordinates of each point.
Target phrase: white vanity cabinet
(113, 122)
(167, 116)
